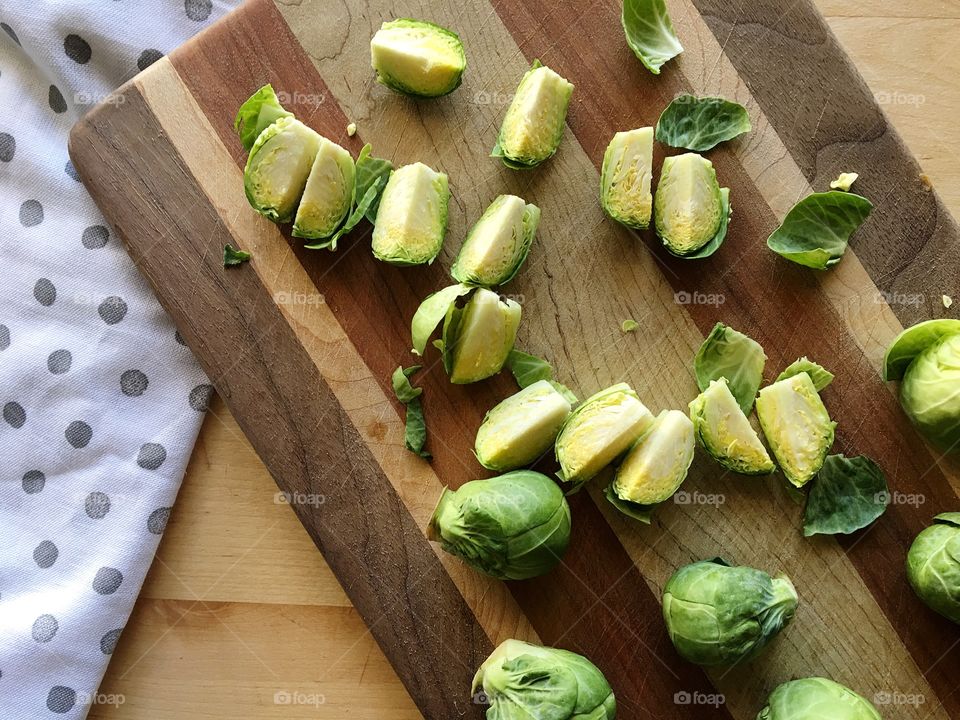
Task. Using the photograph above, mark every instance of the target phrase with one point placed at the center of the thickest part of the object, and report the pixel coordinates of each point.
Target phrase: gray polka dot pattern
(8, 146)
(9, 31)
(61, 699)
(112, 310)
(78, 434)
(31, 213)
(179, 338)
(108, 643)
(71, 171)
(59, 362)
(14, 414)
(77, 49)
(33, 482)
(44, 628)
(133, 383)
(198, 10)
(44, 292)
(148, 58)
(157, 522)
(107, 581)
(151, 456)
(200, 397)
(4, 337)
(97, 505)
(95, 237)
(45, 554)
(55, 100)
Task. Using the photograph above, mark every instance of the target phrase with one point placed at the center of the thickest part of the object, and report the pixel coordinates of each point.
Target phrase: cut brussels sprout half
(725, 432)
(727, 353)
(602, 429)
(650, 32)
(625, 178)
(816, 698)
(513, 527)
(913, 341)
(260, 111)
(797, 426)
(412, 216)
(519, 430)
(478, 337)
(533, 126)
(820, 375)
(278, 167)
(933, 565)
(930, 392)
(418, 58)
(328, 194)
(689, 207)
(498, 243)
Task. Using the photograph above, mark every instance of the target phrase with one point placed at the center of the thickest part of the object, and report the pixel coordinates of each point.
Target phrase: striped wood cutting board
(301, 344)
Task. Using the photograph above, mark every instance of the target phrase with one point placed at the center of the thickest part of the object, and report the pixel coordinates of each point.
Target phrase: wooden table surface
(241, 617)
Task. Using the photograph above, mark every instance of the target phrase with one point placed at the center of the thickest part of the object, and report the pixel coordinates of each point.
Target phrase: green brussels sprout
(797, 426)
(521, 428)
(278, 167)
(816, 698)
(530, 682)
(478, 337)
(689, 207)
(412, 216)
(913, 341)
(513, 527)
(722, 615)
(417, 58)
(261, 110)
(498, 243)
(625, 178)
(725, 432)
(933, 565)
(328, 194)
(657, 464)
(533, 126)
(930, 392)
(602, 429)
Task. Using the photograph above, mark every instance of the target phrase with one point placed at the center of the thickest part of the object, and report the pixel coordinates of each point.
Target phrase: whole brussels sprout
(721, 615)
(816, 698)
(933, 565)
(930, 392)
(513, 527)
(529, 682)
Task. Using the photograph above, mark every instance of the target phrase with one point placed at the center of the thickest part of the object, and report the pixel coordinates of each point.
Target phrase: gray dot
(8, 146)
(4, 337)
(179, 338)
(71, 171)
(61, 699)
(9, 31)
(198, 10)
(33, 482)
(55, 98)
(133, 383)
(59, 362)
(108, 643)
(14, 414)
(97, 505)
(107, 581)
(112, 310)
(157, 522)
(148, 57)
(77, 49)
(44, 628)
(31, 213)
(151, 456)
(45, 554)
(200, 397)
(95, 237)
(44, 292)
(78, 434)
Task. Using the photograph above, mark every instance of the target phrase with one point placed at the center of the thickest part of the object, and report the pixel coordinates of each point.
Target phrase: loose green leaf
(415, 434)
(727, 353)
(528, 369)
(371, 171)
(848, 494)
(700, 124)
(816, 231)
(643, 513)
(629, 325)
(650, 32)
(431, 311)
(913, 341)
(821, 376)
(844, 181)
(233, 257)
(401, 383)
(256, 114)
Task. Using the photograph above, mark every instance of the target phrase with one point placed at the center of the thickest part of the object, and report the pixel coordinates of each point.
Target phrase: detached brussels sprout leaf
(478, 338)
(415, 432)
(913, 341)
(641, 513)
(700, 124)
(930, 392)
(847, 495)
(328, 195)
(257, 114)
(400, 379)
(650, 32)
(689, 206)
(278, 167)
(371, 172)
(816, 231)
(821, 376)
(498, 243)
(233, 257)
(722, 615)
(528, 369)
(533, 125)
(729, 354)
(625, 178)
(629, 325)
(725, 432)
(933, 565)
(844, 182)
(417, 58)
(431, 311)
(513, 527)
(816, 698)
(412, 216)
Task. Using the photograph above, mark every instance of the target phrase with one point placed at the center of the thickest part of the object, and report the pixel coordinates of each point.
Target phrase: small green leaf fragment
(233, 257)
(629, 325)
(401, 384)
(415, 434)
(528, 369)
(844, 182)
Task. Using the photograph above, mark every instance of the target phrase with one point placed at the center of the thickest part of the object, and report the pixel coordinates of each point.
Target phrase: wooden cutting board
(301, 344)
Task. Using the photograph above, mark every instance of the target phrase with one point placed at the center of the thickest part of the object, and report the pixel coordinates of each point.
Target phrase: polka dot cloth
(100, 399)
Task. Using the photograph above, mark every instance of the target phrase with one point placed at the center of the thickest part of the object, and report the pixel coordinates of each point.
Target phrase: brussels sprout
(521, 428)
(689, 206)
(625, 178)
(933, 565)
(513, 527)
(478, 337)
(417, 58)
(328, 194)
(726, 353)
(431, 311)
(260, 111)
(726, 433)
(721, 615)
(816, 698)
(412, 217)
(797, 426)
(650, 33)
(529, 682)
(498, 243)
(533, 126)
(278, 167)
(599, 431)
(913, 341)
(930, 392)
(820, 375)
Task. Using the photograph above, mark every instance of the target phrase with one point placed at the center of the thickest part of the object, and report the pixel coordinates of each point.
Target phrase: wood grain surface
(240, 616)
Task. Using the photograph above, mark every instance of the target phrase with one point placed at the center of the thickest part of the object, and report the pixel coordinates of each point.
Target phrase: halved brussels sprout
(478, 337)
(533, 126)
(797, 426)
(689, 206)
(419, 58)
(328, 194)
(726, 433)
(278, 166)
(933, 565)
(498, 243)
(816, 698)
(513, 527)
(930, 392)
(599, 431)
(412, 216)
(625, 178)
(521, 428)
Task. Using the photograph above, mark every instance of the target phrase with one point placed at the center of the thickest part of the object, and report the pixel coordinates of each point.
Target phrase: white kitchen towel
(101, 401)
